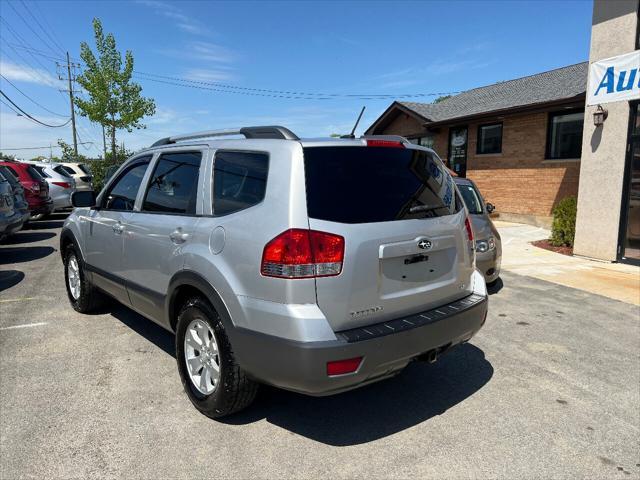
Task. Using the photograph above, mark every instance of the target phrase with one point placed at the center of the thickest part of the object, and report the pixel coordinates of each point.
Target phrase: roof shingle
(558, 84)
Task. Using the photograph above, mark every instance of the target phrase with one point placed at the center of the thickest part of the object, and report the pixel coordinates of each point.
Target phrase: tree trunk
(113, 144)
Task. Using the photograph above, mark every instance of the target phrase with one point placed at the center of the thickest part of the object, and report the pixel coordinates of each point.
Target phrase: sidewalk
(613, 280)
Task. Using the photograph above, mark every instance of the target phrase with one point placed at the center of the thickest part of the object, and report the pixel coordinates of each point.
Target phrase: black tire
(493, 283)
(90, 298)
(235, 390)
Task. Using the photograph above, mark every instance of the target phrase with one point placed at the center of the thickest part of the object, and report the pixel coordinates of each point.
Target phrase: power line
(28, 97)
(29, 116)
(253, 91)
(24, 5)
(286, 92)
(29, 26)
(7, 105)
(32, 148)
(46, 22)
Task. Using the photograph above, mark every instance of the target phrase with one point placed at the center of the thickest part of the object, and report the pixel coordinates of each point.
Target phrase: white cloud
(170, 11)
(202, 75)
(23, 73)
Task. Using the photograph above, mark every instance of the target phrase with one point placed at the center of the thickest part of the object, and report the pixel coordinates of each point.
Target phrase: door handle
(118, 228)
(177, 236)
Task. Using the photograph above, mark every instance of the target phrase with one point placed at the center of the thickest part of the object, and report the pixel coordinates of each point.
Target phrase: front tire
(210, 375)
(83, 296)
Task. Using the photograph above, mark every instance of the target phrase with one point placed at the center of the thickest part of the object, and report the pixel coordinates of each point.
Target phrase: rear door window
(376, 184)
(173, 187)
(239, 180)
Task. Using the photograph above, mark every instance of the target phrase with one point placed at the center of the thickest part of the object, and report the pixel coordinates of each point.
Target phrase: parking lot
(549, 388)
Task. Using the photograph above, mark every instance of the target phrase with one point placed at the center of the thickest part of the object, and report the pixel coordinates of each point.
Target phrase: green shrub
(563, 228)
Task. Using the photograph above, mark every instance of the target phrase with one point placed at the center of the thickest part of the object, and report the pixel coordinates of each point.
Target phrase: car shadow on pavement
(10, 278)
(27, 237)
(157, 335)
(421, 392)
(23, 254)
(43, 225)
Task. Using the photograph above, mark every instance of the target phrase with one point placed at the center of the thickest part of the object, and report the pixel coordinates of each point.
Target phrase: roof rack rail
(391, 138)
(275, 132)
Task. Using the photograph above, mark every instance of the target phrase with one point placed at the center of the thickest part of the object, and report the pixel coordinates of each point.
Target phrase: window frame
(157, 156)
(213, 172)
(480, 127)
(146, 158)
(558, 113)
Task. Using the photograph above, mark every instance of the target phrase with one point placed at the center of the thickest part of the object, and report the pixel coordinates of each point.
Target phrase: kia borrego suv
(316, 266)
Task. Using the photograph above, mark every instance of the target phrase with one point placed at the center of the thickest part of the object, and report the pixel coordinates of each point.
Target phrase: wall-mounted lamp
(599, 116)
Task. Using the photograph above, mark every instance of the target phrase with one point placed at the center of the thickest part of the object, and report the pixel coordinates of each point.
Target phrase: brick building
(519, 140)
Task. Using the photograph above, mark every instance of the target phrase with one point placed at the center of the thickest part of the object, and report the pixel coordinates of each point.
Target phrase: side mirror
(86, 198)
(490, 207)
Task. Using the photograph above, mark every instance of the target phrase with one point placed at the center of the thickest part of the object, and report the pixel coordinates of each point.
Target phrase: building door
(458, 139)
(629, 248)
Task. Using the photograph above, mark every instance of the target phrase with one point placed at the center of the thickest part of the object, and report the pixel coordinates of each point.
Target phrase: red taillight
(467, 225)
(300, 253)
(342, 367)
(384, 143)
(62, 184)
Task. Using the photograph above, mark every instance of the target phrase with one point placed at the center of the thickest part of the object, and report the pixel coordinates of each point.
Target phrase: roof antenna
(352, 134)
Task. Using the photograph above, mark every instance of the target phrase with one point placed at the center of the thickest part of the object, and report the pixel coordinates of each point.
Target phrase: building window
(489, 139)
(423, 141)
(564, 135)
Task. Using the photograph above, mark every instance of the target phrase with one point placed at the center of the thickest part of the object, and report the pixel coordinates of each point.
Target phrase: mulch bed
(546, 244)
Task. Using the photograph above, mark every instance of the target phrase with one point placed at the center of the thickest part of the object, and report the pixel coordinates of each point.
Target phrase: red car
(36, 189)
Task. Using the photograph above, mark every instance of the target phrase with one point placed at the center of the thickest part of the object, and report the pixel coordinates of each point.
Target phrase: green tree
(441, 99)
(115, 101)
(68, 154)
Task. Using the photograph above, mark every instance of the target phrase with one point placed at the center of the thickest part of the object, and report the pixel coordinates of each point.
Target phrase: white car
(80, 173)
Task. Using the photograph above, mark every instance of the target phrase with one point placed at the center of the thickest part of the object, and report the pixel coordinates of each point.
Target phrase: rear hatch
(406, 245)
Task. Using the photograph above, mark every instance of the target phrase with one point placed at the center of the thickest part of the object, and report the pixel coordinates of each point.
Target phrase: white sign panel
(615, 79)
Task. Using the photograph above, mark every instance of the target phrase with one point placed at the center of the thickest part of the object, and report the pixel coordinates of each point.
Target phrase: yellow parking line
(18, 299)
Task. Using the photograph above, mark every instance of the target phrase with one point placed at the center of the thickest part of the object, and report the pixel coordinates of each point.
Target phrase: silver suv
(316, 266)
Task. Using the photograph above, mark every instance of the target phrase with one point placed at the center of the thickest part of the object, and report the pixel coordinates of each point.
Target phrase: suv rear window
(36, 174)
(64, 171)
(376, 184)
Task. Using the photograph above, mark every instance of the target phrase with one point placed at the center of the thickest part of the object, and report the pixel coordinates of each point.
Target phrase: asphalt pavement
(550, 388)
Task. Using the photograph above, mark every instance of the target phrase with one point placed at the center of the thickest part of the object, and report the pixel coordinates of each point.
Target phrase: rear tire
(83, 296)
(232, 389)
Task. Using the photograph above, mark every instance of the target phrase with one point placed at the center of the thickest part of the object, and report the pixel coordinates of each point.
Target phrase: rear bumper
(386, 348)
(44, 207)
(12, 224)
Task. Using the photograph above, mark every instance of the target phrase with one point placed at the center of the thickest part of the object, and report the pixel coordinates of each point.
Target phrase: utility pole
(71, 79)
(73, 114)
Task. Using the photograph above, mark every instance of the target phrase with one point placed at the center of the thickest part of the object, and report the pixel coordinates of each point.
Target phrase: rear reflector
(342, 367)
(385, 143)
(62, 184)
(467, 225)
(300, 253)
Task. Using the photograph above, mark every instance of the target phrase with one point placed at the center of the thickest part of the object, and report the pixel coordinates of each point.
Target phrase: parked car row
(33, 190)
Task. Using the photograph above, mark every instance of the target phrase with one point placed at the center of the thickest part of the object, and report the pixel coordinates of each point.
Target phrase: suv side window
(239, 180)
(122, 193)
(173, 187)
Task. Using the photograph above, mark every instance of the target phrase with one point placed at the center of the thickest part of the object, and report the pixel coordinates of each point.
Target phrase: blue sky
(338, 48)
